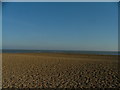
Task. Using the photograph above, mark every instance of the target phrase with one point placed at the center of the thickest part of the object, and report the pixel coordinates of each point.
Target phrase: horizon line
(60, 50)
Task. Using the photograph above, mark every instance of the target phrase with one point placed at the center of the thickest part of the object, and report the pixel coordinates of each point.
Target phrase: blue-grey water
(63, 51)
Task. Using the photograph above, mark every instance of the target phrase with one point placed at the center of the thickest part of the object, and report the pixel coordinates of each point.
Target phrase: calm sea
(63, 51)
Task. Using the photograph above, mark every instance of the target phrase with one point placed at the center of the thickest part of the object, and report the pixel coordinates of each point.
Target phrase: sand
(49, 70)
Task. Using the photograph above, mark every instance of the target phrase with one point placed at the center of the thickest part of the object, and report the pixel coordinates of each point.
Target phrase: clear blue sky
(0, 26)
(60, 26)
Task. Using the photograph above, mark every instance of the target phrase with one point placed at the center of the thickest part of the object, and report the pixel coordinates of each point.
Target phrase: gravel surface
(50, 71)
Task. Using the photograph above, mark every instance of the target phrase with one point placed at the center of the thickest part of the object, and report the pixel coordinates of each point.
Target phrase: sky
(60, 26)
(0, 26)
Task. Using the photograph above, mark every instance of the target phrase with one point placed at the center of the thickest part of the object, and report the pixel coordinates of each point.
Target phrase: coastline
(70, 55)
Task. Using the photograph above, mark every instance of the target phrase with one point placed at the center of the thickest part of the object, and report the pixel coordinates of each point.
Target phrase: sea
(64, 51)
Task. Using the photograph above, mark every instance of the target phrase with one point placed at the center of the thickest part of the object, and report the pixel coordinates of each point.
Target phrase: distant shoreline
(64, 52)
(69, 55)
